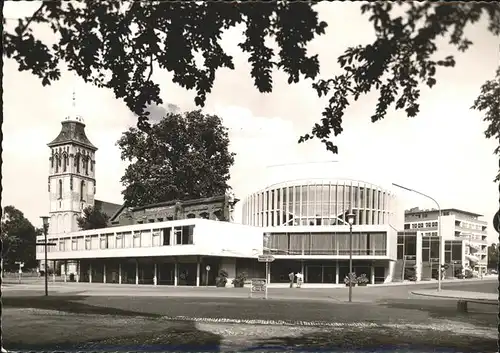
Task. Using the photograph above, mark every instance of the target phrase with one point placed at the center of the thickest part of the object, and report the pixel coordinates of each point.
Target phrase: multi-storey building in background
(456, 227)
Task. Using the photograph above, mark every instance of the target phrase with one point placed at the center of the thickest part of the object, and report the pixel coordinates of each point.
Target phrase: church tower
(72, 183)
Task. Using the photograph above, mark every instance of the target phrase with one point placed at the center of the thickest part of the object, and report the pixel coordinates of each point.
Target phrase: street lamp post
(350, 220)
(439, 227)
(45, 244)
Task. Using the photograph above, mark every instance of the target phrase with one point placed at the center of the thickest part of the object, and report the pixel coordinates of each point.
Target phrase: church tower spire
(71, 173)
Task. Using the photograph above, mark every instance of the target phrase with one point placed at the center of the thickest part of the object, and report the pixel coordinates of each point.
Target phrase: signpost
(21, 265)
(258, 282)
(206, 278)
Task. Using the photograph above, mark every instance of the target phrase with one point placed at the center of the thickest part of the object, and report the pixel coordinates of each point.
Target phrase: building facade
(455, 226)
(419, 256)
(305, 222)
(218, 208)
(182, 252)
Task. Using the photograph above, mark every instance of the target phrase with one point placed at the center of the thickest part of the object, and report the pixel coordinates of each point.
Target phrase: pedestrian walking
(300, 279)
(291, 276)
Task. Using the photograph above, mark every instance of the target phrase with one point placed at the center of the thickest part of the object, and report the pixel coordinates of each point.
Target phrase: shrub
(350, 279)
(221, 280)
(240, 279)
(410, 274)
(362, 280)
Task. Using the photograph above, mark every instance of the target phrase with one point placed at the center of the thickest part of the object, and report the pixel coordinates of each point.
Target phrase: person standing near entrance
(291, 276)
(300, 279)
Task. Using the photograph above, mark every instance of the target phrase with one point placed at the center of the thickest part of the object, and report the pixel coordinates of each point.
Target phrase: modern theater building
(306, 229)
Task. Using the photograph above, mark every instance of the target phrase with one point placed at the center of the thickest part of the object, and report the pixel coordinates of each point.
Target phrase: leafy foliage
(18, 239)
(489, 102)
(400, 60)
(183, 156)
(92, 218)
(114, 44)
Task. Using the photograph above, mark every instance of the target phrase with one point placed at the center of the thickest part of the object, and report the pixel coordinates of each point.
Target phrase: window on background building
(434, 224)
(446, 213)
(414, 226)
(77, 162)
(137, 239)
(60, 189)
(420, 225)
(110, 243)
(65, 161)
(82, 189)
(156, 237)
(103, 242)
(400, 251)
(410, 246)
(74, 244)
(184, 235)
(119, 241)
(166, 232)
(456, 251)
(424, 215)
(61, 245)
(447, 257)
(88, 244)
(407, 226)
(434, 248)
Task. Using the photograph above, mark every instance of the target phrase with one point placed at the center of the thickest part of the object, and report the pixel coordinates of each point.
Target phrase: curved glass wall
(317, 203)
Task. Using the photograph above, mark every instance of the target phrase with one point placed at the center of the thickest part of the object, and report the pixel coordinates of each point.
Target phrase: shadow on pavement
(478, 314)
(375, 340)
(69, 304)
(177, 336)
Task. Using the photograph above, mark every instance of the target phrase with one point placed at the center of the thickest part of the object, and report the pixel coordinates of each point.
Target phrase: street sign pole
(267, 277)
(267, 259)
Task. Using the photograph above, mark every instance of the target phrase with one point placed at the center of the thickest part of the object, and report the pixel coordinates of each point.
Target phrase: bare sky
(441, 152)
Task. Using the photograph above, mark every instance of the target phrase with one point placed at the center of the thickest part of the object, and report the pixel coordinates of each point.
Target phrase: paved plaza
(225, 319)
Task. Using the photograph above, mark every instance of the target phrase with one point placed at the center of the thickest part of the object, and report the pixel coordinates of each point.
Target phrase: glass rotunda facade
(317, 203)
(306, 229)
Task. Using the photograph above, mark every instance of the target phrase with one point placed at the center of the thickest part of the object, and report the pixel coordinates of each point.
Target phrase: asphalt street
(215, 319)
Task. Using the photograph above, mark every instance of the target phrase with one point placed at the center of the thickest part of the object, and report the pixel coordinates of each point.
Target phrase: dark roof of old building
(192, 202)
(72, 131)
(107, 207)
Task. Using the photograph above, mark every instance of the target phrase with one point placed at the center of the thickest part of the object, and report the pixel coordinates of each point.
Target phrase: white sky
(442, 152)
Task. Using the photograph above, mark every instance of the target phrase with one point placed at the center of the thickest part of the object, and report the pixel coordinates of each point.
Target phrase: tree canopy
(183, 156)
(92, 218)
(115, 44)
(18, 239)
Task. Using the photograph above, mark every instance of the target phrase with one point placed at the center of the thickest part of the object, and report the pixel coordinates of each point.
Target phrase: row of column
(155, 273)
